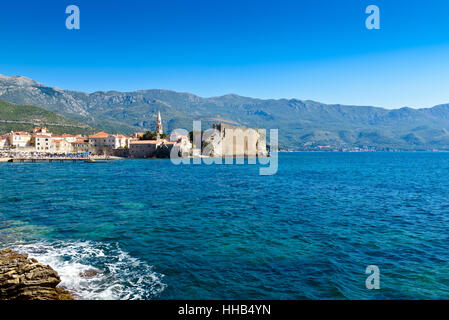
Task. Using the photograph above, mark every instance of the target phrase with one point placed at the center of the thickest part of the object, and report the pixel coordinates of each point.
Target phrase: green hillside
(24, 118)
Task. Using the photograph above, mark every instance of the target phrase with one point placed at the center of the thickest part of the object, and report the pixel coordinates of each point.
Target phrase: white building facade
(19, 139)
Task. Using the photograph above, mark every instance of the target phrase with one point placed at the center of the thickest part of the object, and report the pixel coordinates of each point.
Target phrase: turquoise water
(159, 231)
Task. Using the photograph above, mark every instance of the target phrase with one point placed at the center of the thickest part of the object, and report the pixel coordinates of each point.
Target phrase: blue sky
(314, 49)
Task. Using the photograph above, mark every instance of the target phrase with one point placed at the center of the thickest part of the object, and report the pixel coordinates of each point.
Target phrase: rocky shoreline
(24, 278)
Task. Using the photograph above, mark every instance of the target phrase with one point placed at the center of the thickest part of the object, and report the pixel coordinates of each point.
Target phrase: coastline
(25, 278)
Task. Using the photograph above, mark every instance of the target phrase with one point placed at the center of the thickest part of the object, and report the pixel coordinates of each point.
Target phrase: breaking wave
(115, 274)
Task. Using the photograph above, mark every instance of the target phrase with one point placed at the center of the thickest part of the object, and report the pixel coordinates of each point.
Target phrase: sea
(155, 230)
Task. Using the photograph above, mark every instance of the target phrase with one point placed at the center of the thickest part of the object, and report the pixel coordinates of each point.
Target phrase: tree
(151, 135)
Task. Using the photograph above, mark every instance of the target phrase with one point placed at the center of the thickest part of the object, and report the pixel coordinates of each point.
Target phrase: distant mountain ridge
(302, 124)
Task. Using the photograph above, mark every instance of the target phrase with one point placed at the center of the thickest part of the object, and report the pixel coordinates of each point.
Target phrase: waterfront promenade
(45, 159)
(8, 156)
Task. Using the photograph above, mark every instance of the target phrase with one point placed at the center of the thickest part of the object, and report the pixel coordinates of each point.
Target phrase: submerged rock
(23, 278)
(90, 273)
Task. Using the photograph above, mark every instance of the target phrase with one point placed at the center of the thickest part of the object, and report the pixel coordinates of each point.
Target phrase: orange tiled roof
(80, 141)
(21, 133)
(67, 136)
(99, 135)
(138, 134)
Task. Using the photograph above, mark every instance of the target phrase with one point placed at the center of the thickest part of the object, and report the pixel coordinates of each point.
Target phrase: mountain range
(302, 124)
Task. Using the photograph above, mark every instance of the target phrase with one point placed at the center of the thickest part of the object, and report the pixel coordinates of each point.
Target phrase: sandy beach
(4, 159)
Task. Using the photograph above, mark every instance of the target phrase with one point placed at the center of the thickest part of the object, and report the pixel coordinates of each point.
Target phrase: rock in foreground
(23, 278)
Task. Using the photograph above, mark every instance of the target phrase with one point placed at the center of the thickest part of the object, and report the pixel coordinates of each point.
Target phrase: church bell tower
(159, 130)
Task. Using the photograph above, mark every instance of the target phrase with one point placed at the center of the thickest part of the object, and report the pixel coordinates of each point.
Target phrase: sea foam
(121, 276)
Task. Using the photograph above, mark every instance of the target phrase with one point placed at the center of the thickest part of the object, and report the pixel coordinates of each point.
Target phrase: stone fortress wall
(232, 141)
